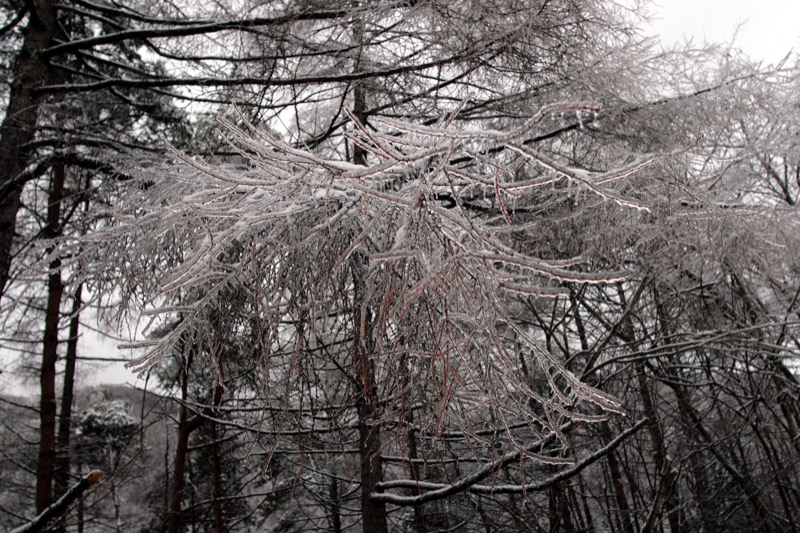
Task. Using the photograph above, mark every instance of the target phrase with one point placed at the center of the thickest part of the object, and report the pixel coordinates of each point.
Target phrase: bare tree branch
(61, 505)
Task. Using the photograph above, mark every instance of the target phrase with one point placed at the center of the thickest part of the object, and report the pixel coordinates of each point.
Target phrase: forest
(395, 265)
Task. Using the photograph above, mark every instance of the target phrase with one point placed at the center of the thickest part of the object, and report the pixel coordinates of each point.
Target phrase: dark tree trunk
(369, 436)
(628, 334)
(670, 505)
(369, 445)
(693, 421)
(335, 506)
(178, 474)
(216, 467)
(373, 513)
(185, 427)
(17, 130)
(47, 376)
(67, 395)
(419, 516)
(626, 524)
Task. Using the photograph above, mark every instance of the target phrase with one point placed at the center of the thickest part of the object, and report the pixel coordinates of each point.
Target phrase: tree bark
(668, 475)
(624, 516)
(218, 491)
(65, 418)
(627, 333)
(335, 506)
(185, 427)
(47, 376)
(373, 513)
(18, 128)
(419, 516)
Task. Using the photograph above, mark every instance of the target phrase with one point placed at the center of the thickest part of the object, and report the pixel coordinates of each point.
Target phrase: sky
(769, 28)
(767, 31)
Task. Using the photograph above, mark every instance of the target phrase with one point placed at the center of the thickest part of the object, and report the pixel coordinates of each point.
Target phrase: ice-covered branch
(469, 483)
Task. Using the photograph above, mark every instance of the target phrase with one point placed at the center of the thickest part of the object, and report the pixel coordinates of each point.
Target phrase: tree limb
(668, 475)
(467, 481)
(498, 489)
(61, 505)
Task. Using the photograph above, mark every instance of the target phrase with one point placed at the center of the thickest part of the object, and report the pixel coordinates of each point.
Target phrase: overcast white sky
(770, 28)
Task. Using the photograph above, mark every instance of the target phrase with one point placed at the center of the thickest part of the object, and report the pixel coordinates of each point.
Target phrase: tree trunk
(178, 474)
(694, 423)
(369, 435)
(413, 455)
(560, 519)
(218, 490)
(627, 332)
(47, 377)
(65, 418)
(618, 483)
(670, 504)
(373, 513)
(19, 125)
(185, 428)
(335, 506)
(369, 446)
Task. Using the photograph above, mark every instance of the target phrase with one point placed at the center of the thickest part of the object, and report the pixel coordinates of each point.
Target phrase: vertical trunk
(776, 470)
(359, 111)
(117, 504)
(369, 446)
(618, 483)
(670, 504)
(413, 455)
(694, 421)
(47, 377)
(668, 475)
(581, 521)
(65, 418)
(216, 467)
(369, 435)
(336, 518)
(655, 432)
(178, 474)
(587, 511)
(185, 428)
(31, 70)
(359, 94)
(167, 483)
(560, 519)
(80, 515)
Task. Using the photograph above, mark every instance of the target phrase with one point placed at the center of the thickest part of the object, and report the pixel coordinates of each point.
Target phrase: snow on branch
(272, 235)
